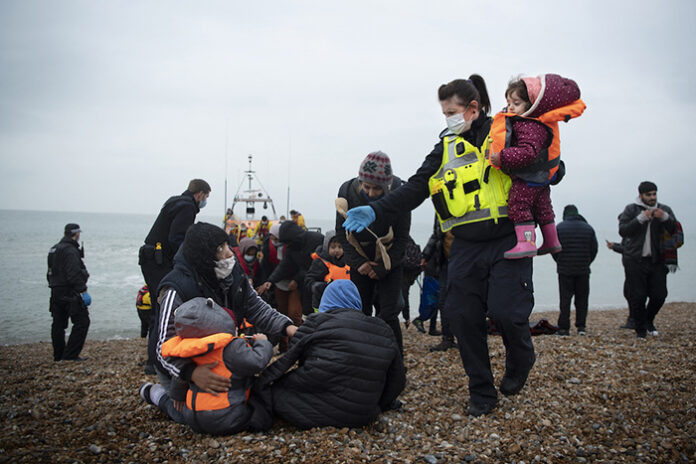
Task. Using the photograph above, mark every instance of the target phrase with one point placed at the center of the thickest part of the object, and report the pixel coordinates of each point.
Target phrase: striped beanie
(376, 169)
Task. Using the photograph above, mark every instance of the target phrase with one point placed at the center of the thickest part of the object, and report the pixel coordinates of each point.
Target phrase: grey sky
(114, 106)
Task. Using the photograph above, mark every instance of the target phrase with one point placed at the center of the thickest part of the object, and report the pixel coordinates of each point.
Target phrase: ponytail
(466, 91)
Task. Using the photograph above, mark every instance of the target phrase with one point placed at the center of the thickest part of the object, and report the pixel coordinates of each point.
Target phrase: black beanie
(647, 186)
(570, 210)
(200, 246)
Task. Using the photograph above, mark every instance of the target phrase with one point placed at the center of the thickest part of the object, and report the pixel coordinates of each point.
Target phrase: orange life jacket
(335, 272)
(548, 159)
(205, 350)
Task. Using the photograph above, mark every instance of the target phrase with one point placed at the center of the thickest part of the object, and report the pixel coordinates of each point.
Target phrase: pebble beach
(602, 398)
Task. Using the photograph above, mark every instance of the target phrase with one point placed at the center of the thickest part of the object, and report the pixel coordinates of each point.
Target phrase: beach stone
(430, 459)
(95, 449)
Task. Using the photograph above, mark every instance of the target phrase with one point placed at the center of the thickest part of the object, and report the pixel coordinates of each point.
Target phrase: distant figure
(282, 218)
(350, 367)
(156, 257)
(262, 229)
(247, 256)
(143, 304)
(573, 266)
(368, 267)
(643, 224)
(526, 146)
(67, 276)
(298, 219)
(328, 266)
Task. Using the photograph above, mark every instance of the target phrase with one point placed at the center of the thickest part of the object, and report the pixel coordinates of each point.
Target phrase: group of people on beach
(217, 311)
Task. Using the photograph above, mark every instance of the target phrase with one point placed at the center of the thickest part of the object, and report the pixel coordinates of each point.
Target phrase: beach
(603, 397)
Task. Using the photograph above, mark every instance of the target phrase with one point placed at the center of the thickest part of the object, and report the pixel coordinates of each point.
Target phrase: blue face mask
(367, 198)
(202, 204)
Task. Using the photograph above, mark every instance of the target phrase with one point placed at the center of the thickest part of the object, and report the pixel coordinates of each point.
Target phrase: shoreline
(604, 397)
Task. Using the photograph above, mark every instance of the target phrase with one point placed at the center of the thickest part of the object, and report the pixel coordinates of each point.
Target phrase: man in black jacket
(573, 266)
(156, 257)
(67, 276)
(367, 269)
(350, 367)
(642, 225)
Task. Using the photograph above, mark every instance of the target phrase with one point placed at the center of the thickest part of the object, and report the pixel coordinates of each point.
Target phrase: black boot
(630, 324)
(445, 344)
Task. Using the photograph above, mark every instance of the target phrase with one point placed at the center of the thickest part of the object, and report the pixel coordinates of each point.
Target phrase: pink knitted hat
(533, 87)
(376, 169)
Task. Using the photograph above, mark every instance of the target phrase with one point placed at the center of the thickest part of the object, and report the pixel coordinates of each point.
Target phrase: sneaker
(640, 335)
(418, 324)
(652, 330)
(582, 331)
(512, 385)
(563, 332)
(444, 345)
(144, 392)
(476, 410)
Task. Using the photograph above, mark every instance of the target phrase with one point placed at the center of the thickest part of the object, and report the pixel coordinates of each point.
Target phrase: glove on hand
(359, 218)
(86, 298)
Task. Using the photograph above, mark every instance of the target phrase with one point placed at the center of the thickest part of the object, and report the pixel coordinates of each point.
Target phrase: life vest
(250, 272)
(143, 301)
(465, 189)
(262, 229)
(548, 159)
(335, 272)
(205, 350)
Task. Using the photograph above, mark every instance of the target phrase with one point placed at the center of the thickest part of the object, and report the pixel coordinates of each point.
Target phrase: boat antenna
(226, 138)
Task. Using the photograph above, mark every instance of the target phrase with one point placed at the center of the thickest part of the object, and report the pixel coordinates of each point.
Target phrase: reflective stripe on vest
(465, 189)
(335, 272)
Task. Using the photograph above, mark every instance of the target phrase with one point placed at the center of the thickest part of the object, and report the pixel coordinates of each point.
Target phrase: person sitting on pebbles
(200, 325)
(350, 367)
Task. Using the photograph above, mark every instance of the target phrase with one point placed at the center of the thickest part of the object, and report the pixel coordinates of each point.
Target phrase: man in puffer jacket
(200, 324)
(573, 265)
(350, 367)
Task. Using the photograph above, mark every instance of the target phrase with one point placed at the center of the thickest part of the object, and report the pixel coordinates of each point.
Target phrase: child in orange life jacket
(525, 145)
(328, 265)
(247, 256)
(200, 325)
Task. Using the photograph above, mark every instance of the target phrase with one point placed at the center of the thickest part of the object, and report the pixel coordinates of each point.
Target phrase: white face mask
(457, 124)
(249, 258)
(223, 268)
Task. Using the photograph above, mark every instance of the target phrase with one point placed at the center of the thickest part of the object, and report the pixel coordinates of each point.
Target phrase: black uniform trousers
(570, 286)
(647, 282)
(153, 274)
(389, 298)
(441, 301)
(482, 283)
(66, 304)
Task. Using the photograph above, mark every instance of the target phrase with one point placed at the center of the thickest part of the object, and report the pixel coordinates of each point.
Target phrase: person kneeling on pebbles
(206, 334)
(350, 367)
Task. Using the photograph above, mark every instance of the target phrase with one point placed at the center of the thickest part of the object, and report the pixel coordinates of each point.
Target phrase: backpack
(412, 255)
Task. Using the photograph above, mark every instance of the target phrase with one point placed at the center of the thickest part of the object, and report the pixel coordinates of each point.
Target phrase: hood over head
(246, 243)
(200, 246)
(275, 230)
(548, 92)
(330, 234)
(340, 294)
(201, 317)
(292, 234)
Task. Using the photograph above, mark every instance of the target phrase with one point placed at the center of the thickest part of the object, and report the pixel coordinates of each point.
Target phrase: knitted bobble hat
(376, 169)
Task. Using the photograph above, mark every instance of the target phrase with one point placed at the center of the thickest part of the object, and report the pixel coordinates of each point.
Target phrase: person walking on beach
(573, 266)
(371, 272)
(470, 198)
(67, 276)
(642, 226)
(156, 256)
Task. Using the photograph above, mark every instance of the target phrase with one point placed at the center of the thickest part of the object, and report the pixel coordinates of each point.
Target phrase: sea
(111, 243)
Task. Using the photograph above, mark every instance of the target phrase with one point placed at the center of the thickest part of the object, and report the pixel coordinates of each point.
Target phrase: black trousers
(441, 301)
(67, 304)
(153, 274)
(482, 283)
(570, 286)
(388, 294)
(647, 290)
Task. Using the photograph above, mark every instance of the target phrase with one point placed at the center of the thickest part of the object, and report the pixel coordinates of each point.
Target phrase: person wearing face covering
(470, 199)
(205, 266)
(246, 255)
(349, 366)
(369, 271)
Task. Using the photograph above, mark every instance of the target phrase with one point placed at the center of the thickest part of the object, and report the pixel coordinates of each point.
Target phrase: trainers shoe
(512, 385)
(640, 335)
(419, 325)
(476, 410)
(444, 345)
(582, 331)
(652, 330)
(144, 392)
(563, 332)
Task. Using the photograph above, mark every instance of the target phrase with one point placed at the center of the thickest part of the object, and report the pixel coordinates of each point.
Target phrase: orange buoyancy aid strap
(564, 113)
(315, 255)
(192, 347)
(335, 272)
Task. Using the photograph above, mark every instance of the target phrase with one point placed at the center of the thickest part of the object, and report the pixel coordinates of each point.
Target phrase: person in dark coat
(156, 256)
(573, 266)
(642, 224)
(299, 246)
(67, 276)
(369, 273)
(349, 366)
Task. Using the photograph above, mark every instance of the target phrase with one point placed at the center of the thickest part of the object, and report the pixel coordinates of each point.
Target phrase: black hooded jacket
(350, 369)
(399, 221)
(176, 215)
(300, 244)
(579, 244)
(65, 266)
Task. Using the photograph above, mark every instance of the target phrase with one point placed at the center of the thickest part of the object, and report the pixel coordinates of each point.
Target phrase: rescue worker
(470, 198)
(156, 257)
(298, 219)
(67, 276)
(369, 270)
(328, 265)
(143, 304)
(262, 229)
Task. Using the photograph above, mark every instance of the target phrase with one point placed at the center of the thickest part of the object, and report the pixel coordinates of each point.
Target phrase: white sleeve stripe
(165, 311)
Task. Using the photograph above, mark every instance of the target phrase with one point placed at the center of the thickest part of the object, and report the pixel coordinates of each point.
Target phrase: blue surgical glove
(359, 218)
(86, 298)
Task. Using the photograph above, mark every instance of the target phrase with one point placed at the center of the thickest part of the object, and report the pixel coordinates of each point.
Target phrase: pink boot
(551, 243)
(525, 248)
